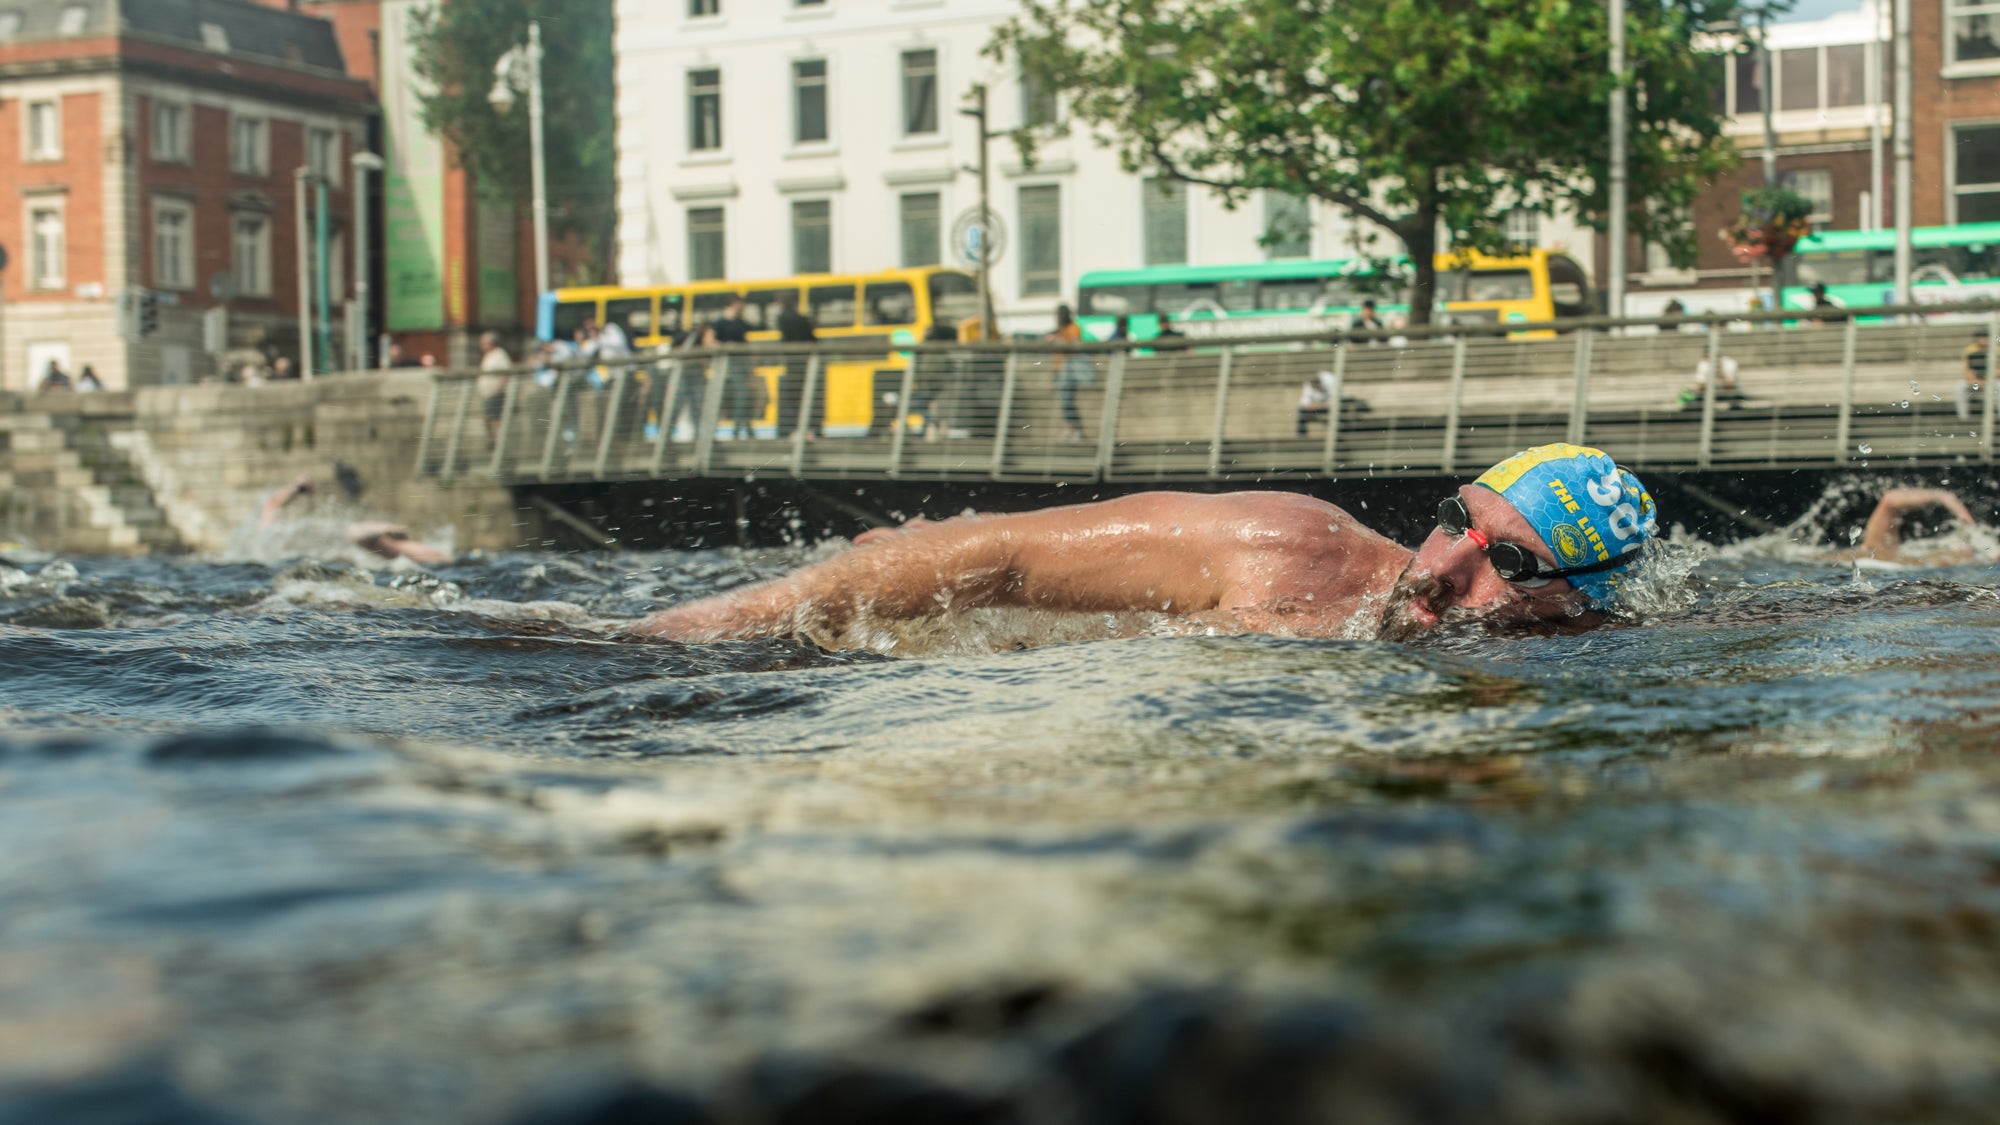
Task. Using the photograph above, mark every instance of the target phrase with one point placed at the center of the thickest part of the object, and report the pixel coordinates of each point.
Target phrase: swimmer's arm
(1153, 552)
(1880, 537)
(274, 504)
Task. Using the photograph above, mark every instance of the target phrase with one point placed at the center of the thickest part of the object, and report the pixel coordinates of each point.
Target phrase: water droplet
(1905, 404)
(1865, 449)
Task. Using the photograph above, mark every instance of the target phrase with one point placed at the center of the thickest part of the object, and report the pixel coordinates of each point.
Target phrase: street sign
(978, 236)
(221, 285)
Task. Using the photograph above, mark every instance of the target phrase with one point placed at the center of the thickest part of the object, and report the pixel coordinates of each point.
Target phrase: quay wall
(200, 460)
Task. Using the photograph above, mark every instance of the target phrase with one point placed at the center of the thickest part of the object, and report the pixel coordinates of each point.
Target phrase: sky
(1820, 9)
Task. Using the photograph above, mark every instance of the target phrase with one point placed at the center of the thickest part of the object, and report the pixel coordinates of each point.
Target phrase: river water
(290, 837)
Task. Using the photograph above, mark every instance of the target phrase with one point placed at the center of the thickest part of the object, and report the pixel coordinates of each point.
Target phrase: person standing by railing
(1974, 372)
(1074, 371)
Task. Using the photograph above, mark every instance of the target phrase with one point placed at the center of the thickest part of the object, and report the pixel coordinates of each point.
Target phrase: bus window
(709, 306)
(889, 302)
(1569, 289)
(570, 316)
(760, 306)
(954, 298)
(633, 314)
(670, 316)
(1117, 300)
(1290, 294)
(1844, 267)
(1181, 298)
(1491, 285)
(832, 306)
(1237, 295)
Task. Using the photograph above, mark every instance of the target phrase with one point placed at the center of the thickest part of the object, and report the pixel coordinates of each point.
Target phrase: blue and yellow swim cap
(1585, 508)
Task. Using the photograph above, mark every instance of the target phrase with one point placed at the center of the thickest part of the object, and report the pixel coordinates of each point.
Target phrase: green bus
(1303, 296)
(1858, 267)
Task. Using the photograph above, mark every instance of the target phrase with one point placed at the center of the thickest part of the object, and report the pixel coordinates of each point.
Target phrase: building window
(323, 154)
(1815, 184)
(247, 152)
(923, 227)
(1038, 101)
(1523, 229)
(170, 132)
(45, 130)
(1798, 78)
(250, 254)
(812, 236)
(215, 37)
(1749, 93)
(74, 19)
(10, 26)
(1041, 240)
(47, 247)
(1975, 179)
(1972, 27)
(920, 85)
(1847, 74)
(808, 3)
(809, 101)
(705, 258)
(1287, 225)
(173, 245)
(699, 8)
(1163, 202)
(704, 110)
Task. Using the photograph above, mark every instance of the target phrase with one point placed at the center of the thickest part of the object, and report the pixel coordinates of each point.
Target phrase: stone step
(66, 476)
(19, 423)
(31, 441)
(37, 460)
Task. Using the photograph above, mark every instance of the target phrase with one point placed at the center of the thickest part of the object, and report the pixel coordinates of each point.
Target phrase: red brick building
(150, 146)
(1830, 105)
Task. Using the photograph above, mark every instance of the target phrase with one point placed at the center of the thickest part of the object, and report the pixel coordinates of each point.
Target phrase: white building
(762, 138)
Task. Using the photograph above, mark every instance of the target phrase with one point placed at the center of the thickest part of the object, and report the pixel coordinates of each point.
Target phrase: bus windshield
(954, 298)
(1485, 285)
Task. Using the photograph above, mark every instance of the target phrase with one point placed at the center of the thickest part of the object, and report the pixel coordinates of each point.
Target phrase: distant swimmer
(1895, 521)
(1545, 539)
(384, 540)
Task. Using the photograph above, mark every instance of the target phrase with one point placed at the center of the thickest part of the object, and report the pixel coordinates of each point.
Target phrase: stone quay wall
(187, 468)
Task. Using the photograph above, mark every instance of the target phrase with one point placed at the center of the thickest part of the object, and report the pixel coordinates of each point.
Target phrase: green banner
(413, 186)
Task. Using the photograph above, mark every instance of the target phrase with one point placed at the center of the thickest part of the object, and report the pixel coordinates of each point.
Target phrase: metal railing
(1858, 386)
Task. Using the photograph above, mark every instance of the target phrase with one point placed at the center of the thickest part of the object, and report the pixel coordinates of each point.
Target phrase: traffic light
(149, 313)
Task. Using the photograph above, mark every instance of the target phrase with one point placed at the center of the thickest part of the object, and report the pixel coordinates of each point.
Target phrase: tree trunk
(1420, 241)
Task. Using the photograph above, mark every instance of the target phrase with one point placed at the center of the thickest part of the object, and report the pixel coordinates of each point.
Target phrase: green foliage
(1772, 222)
(1411, 115)
(458, 42)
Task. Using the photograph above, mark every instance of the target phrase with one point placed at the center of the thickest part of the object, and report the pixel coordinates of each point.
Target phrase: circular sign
(977, 236)
(221, 286)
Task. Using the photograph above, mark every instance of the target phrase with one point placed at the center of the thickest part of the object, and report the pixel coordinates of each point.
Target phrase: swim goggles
(1512, 561)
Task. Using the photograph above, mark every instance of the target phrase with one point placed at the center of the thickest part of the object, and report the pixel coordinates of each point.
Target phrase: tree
(459, 42)
(1411, 115)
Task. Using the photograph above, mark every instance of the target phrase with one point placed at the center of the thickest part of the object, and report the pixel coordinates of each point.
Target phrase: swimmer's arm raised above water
(1881, 537)
(1165, 552)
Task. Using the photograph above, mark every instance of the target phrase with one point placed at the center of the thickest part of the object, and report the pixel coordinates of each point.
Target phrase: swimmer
(1544, 539)
(1882, 537)
(384, 540)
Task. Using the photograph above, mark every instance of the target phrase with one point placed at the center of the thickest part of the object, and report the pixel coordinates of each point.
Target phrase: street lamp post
(357, 321)
(978, 114)
(508, 79)
(300, 178)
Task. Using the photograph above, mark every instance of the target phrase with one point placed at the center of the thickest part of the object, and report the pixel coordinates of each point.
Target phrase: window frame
(704, 9)
(721, 233)
(183, 279)
(1034, 279)
(799, 87)
(1793, 177)
(799, 229)
(904, 216)
(1163, 186)
(1271, 199)
(52, 150)
(1954, 11)
(256, 281)
(695, 95)
(39, 279)
(179, 150)
(1953, 189)
(905, 74)
(314, 135)
(253, 159)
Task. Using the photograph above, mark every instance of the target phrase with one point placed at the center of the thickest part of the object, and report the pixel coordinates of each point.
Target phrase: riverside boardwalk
(1873, 389)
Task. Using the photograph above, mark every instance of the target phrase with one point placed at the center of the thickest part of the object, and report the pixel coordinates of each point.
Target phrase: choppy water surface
(313, 841)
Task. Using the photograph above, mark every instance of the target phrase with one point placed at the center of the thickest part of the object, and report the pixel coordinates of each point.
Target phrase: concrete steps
(71, 488)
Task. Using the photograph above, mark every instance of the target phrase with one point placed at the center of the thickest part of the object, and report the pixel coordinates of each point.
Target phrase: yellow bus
(884, 307)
